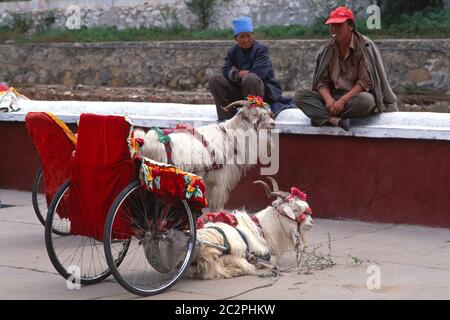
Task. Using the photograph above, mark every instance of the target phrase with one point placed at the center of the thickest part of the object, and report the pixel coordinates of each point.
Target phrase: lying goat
(226, 251)
(208, 150)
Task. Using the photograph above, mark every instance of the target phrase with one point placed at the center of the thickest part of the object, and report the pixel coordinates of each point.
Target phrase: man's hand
(329, 104)
(243, 73)
(338, 106)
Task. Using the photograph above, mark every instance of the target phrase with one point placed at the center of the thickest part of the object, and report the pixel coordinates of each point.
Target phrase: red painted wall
(383, 180)
(18, 156)
(19, 159)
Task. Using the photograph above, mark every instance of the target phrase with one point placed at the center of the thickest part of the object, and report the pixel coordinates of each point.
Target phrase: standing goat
(225, 251)
(213, 155)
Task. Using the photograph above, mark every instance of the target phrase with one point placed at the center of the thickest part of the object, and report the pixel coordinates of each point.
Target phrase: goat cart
(118, 213)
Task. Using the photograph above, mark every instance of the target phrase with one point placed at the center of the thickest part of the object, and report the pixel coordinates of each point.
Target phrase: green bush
(21, 22)
(392, 9)
(203, 9)
(49, 19)
(429, 23)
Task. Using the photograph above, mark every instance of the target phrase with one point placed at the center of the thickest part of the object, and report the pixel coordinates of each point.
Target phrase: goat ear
(287, 210)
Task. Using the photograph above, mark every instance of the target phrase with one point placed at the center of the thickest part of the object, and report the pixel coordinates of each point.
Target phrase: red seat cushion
(102, 167)
(55, 144)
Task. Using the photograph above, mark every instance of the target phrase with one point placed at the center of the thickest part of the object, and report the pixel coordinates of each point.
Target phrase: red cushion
(169, 181)
(54, 143)
(101, 169)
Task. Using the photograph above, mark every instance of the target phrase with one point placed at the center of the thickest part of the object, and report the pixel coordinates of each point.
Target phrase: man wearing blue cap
(247, 71)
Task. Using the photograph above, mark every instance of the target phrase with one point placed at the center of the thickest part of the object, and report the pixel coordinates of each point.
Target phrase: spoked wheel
(38, 196)
(162, 239)
(76, 256)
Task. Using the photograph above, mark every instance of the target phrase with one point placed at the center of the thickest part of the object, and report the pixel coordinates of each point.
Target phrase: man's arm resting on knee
(355, 90)
(229, 71)
(324, 92)
(339, 105)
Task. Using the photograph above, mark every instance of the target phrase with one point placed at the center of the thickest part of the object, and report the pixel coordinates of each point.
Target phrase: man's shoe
(344, 124)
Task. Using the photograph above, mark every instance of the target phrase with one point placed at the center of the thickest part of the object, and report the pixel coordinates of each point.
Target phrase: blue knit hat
(242, 24)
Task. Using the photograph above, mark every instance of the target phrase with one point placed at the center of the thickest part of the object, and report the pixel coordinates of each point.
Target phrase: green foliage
(103, 34)
(21, 22)
(171, 20)
(49, 19)
(317, 30)
(429, 23)
(356, 260)
(392, 9)
(309, 259)
(203, 9)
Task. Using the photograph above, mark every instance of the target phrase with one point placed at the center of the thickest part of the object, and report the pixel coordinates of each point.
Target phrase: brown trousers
(313, 105)
(226, 92)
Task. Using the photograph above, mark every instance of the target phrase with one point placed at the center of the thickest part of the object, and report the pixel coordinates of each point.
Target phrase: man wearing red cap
(349, 78)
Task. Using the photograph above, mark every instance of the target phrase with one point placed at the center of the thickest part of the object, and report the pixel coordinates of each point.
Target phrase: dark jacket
(257, 61)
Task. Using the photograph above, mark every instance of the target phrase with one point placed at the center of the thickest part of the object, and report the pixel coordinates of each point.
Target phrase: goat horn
(280, 193)
(236, 103)
(266, 188)
(274, 183)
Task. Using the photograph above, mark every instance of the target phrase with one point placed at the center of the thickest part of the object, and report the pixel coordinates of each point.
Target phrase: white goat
(222, 141)
(267, 235)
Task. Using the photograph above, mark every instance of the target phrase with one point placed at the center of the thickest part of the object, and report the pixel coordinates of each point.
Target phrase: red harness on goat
(295, 192)
(223, 216)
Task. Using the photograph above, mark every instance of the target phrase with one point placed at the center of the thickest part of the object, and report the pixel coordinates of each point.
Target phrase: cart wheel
(38, 196)
(162, 240)
(75, 256)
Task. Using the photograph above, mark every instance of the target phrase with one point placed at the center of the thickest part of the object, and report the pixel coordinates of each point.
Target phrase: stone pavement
(414, 263)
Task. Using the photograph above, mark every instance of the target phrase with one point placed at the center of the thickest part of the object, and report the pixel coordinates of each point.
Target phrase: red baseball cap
(340, 15)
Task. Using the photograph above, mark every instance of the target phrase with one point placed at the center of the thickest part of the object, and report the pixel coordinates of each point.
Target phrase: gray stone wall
(165, 13)
(187, 65)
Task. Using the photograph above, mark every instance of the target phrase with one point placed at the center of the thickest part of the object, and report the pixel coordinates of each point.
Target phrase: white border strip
(405, 125)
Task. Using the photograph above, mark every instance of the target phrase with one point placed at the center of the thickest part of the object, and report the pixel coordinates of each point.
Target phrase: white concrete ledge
(408, 125)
